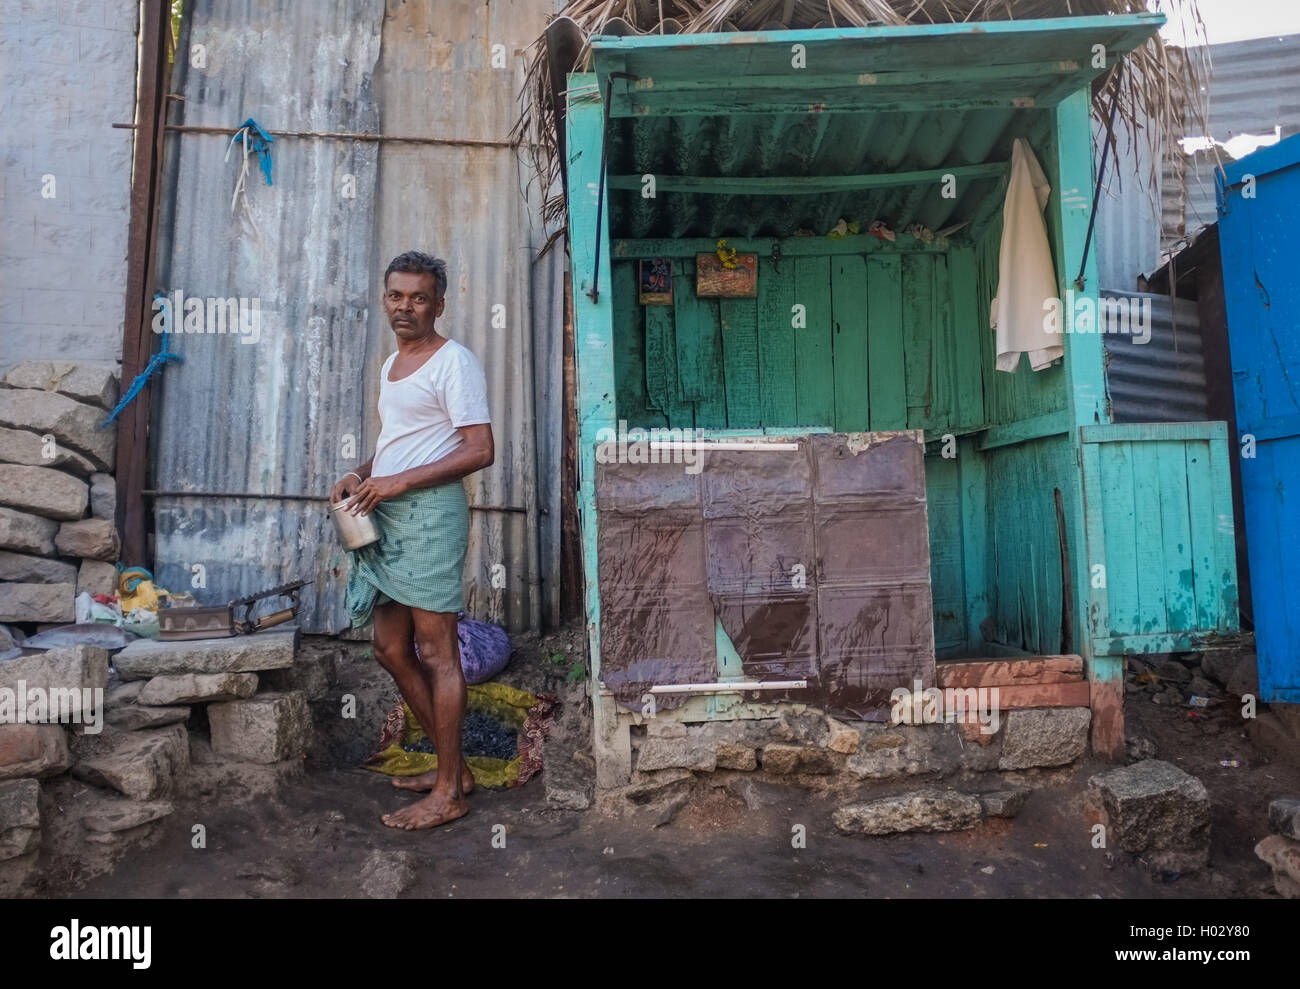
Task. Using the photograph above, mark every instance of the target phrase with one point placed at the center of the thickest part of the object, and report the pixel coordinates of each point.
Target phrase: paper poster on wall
(726, 275)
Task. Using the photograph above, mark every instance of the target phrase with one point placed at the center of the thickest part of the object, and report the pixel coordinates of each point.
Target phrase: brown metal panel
(744, 483)
(874, 607)
(656, 622)
(633, 487)
(814, 561)
(760, 583)
(759, 534)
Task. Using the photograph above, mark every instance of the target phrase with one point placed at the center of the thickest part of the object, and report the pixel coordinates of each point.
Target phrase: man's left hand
(376, 489)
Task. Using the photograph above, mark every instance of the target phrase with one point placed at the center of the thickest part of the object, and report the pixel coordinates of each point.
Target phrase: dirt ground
(319, 835)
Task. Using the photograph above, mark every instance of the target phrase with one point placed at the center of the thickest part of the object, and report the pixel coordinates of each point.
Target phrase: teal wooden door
(1161, 555)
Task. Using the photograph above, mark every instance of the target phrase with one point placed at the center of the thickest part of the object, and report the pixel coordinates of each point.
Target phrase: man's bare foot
(433, 810)
(425, 781)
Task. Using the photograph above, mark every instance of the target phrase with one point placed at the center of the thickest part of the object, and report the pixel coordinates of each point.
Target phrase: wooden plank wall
(889, 340)
(880, 343)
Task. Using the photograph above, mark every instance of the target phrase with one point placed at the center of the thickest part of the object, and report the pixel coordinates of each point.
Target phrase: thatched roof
(1161, 94)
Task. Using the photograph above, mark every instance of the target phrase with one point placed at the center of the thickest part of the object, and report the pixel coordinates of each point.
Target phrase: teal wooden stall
(1052, 530)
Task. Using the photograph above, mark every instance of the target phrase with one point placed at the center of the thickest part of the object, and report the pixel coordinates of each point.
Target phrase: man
(435, 430)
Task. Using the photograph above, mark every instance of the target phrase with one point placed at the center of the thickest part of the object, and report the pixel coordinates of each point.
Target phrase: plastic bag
(484, 649)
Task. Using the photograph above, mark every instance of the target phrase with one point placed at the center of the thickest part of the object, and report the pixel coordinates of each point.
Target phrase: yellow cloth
(507, 705)
(145, 595)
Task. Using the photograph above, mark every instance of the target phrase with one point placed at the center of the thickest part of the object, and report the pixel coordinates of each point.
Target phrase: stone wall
(67, 73)
(57, 493)
(171, 724)
(811, 750)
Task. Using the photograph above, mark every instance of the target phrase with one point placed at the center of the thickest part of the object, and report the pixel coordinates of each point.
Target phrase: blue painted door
(1259, 230)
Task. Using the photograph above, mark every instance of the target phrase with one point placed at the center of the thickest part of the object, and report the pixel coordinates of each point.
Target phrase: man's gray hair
(419, 263)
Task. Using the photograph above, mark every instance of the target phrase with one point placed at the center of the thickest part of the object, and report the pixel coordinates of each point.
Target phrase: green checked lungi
(420, 557)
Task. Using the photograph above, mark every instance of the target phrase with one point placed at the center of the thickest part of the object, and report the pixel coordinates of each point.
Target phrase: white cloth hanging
(1026, 277)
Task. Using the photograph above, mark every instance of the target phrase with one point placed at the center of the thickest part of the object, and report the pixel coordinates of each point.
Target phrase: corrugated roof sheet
(804, 145)
(872, 102)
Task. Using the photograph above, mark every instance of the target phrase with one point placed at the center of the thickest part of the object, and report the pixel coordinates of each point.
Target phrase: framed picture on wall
(655, 279)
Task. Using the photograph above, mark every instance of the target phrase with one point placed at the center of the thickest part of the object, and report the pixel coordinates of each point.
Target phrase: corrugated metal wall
(1255, 87)
(274, 416)
(1128, 213)
(1162, 380)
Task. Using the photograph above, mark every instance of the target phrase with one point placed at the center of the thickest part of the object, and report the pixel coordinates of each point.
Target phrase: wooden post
(137, 340)
(1086, 375)
(593, 333)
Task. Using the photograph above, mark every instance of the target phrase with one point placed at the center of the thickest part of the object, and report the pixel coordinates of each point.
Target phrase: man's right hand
(345, 488)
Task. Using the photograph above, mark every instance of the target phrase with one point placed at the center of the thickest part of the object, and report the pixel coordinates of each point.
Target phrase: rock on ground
(1045, 736)
(20, 818)
(1155, 809)
(387, 875)
(568, 784)
(1284, 818)
(1282, 855)
(33, 750)
(143, 765)
(923, 810)
(1003, 803)
(757, 794)
(265, 728)
(112, 815)
(655, 797)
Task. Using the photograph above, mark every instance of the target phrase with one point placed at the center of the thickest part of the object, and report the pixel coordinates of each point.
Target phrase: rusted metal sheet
(471, 206)
(291, 413)
(278, 411)
(814, 562)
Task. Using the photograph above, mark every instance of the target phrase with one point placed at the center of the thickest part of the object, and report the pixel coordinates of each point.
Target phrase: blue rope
(260, 144)
(155, 364)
